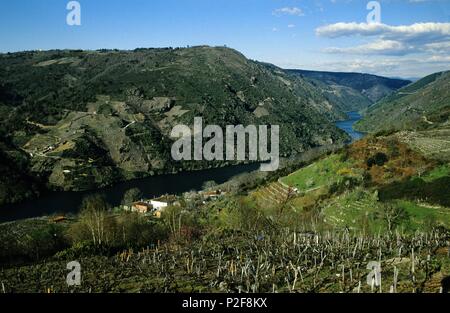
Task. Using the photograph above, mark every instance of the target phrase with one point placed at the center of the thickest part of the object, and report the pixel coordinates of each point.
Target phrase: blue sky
(412, 40)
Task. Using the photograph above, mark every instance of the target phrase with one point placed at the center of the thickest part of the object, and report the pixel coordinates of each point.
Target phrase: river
(69, 202)
(63, 202)
(347, 125)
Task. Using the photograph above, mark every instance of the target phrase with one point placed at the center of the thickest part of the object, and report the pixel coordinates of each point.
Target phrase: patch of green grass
(359, 209)
(435, 190)
(355, 210)
(422, 216)
(438, 172)
(321, 173)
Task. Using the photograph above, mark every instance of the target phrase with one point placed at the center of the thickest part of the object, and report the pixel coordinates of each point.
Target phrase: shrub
(378, 159)
(344, 171)
(132, 195)
(81, 249)
(135, 230)
(34, 244)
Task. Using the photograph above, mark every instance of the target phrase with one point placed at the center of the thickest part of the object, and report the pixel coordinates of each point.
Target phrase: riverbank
(66, 202)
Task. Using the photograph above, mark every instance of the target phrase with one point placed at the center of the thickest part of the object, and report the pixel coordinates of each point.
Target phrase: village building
(164, 201)
(159, 205)
(58, 219)
(154, 206)
(141, 207)
(212, 195)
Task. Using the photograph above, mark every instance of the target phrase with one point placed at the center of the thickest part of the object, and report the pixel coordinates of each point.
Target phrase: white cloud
(392, 47)
(438, 47)
(291, 26)
(289, 11)
(414, 32)
(390, 40)
(439, 59)
(386, 47)
(389, 67)
(418, 49)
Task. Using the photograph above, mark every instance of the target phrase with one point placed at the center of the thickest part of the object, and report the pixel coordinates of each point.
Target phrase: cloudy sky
(411, 39)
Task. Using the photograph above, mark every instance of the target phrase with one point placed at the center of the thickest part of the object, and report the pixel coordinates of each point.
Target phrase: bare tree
(94, 216)
(393, 215)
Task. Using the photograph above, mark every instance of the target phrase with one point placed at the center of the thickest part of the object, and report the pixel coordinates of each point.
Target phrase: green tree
(132, 195)
(378, 159)
(210, 184)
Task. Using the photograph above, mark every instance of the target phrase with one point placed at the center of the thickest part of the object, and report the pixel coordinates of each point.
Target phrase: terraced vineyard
(350, 210)
(274, 194)
(422, 213)
(319, 238)
(433, 144)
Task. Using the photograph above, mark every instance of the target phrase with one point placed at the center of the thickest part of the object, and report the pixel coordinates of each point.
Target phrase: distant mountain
(421, 105)
(90, 118)
(361, 89)
(411, 79)
(342, 98)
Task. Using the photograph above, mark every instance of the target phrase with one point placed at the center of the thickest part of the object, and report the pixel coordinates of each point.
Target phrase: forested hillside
(84, 119)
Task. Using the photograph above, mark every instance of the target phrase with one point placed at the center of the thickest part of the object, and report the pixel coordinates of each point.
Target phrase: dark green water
(69, 202)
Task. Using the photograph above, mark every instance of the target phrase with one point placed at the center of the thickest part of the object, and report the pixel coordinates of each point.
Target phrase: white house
(158, 205)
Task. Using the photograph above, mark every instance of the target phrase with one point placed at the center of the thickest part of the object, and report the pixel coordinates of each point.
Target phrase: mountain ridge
(368, 87)
(87, 119)
(420, 105)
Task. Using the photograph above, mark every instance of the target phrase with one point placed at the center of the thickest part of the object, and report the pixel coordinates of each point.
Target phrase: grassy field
(436, 173)
(354, 210)
(359, 210)
(321, 173)
(423, 215)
